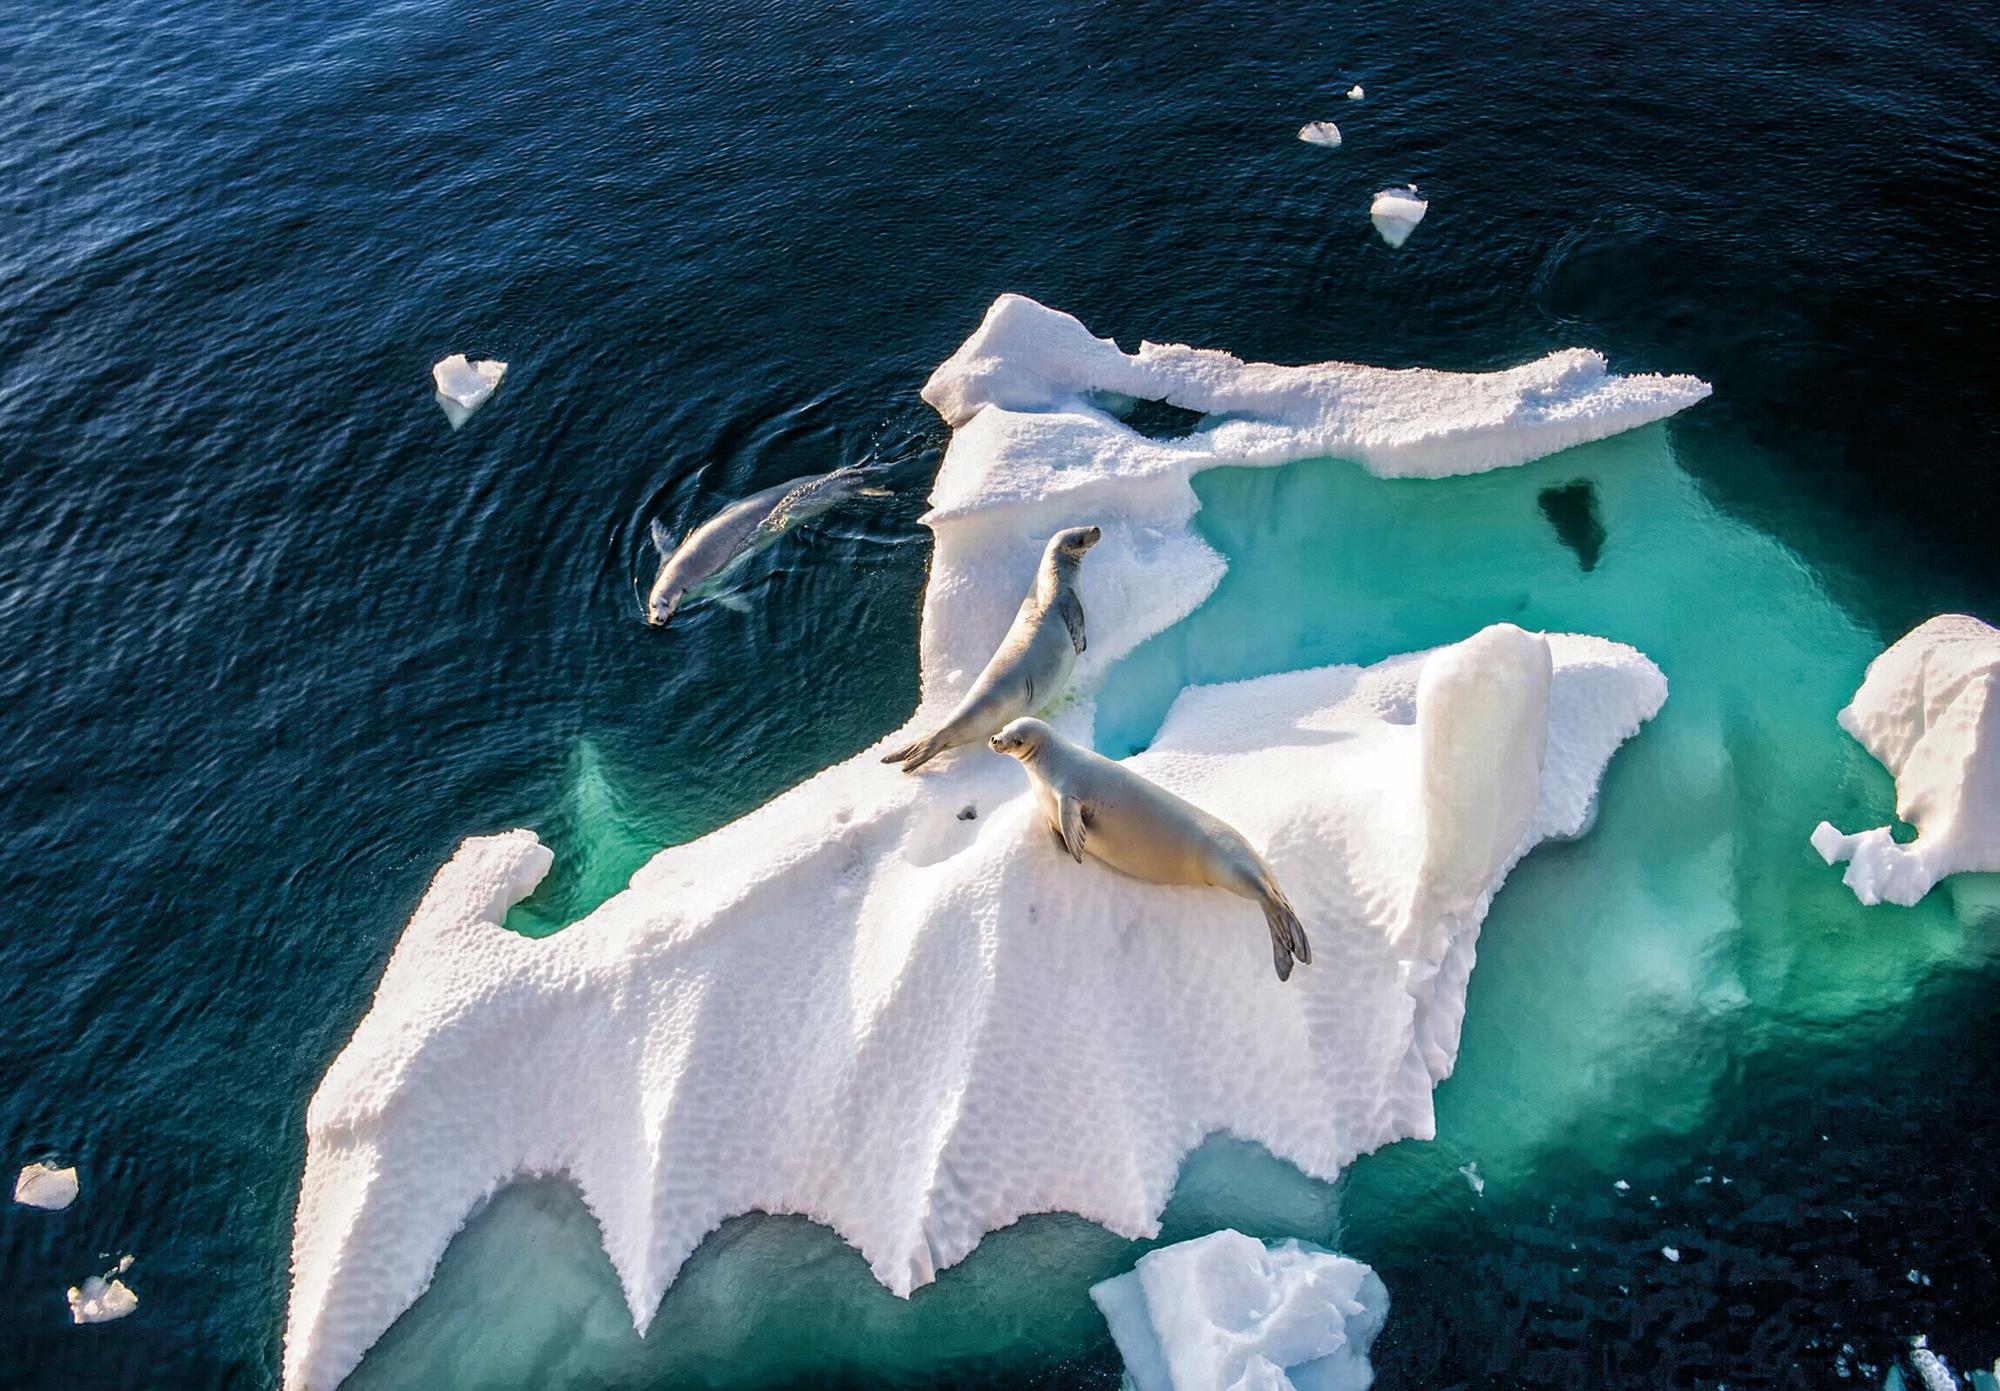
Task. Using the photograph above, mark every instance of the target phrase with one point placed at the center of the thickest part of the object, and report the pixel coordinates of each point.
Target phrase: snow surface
(44, 1185)
(1929, 710)
(915, 1029)
(1321, 133)
(1396, 213)
(1225, 1313)
(463, 387)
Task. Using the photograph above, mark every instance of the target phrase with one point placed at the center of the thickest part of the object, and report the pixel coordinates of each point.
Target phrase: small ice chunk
(1320, 133)
(1226, 1311)
(1672, 1253)
(1471, 1171)
(1355, 93)
(1396, 213)
(102, 1298)
(463, 387)
(44, 1185)
(1622, 1186)
(1931, 1369)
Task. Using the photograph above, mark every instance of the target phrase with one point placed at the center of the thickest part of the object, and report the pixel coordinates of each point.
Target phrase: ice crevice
(852, 1005)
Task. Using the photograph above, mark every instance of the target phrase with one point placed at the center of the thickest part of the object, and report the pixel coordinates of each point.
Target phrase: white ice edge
(1929, 711)
(852, 1005)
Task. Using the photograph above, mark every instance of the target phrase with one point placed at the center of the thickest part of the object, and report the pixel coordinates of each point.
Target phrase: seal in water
(1033, 662)
(719, 545)
(1093, 804)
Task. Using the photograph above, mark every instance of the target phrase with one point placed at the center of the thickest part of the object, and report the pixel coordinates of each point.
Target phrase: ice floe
(1396, 213)
(1355, 93)
(916, 1028)
(1320, 133)
(102, 1298)
(1929, 711)
(463, 387)
(43, 1185)
(1226, 1313)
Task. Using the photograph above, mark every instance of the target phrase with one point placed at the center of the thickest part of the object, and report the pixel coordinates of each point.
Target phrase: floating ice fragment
(1672, 1253)
(1320, 133)
(1622, 1186)
(1929, 710)
(1396, 213)
(102, 1298)
(463, 387)
(1914, 1277)
(1225, 1311)
(43, 1185)
(1355, 93)
(1931, 1368)
(1472, 1178)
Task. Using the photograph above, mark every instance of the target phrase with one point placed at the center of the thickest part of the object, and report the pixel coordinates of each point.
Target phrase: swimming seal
(715, 548)
(1103, 808)
(1033, 662)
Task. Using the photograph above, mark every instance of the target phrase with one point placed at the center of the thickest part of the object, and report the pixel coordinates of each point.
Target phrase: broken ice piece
(1396, 213)
(102, 1298)
(1472, 1178)
(44, 1185)
(463, 387)
(1355, 93)
(1622, 1186)
(1672, 1253)
(1320, 133)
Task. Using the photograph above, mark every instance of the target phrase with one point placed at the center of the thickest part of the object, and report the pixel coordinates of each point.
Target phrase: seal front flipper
(1071, 609)
(663, 540)
(1069, 825)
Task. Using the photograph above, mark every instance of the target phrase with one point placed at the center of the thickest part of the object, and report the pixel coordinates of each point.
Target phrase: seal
(1095, 806)
(1033, 662)
(713, 550)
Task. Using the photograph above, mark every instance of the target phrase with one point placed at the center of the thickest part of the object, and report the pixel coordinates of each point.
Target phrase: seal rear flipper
(1288, 936)
(915, 755)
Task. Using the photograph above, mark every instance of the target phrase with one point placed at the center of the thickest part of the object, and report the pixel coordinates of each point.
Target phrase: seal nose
(1096, 534)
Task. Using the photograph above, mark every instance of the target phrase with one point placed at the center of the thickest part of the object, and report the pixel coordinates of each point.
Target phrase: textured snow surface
(1929, 710)
(853, 1005)
(44, 1185)
(1225, 1313)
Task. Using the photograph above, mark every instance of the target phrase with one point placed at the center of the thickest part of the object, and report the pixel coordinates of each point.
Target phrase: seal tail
(915, 755)
(1288, 935)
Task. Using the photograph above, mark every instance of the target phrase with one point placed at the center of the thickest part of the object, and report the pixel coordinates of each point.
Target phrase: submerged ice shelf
(854, 1005)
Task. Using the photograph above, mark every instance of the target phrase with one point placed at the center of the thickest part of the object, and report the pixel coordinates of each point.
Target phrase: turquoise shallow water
(276, 639)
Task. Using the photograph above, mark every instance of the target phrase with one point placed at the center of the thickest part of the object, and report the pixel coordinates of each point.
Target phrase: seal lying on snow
(1093, 804)
(1034, 660)
(716, 547)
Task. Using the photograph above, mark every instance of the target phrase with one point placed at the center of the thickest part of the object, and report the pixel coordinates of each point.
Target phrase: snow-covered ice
(1396, 213)
(43, 1185)
(913, 1028)
(1355, 93)
(1929, 711)
(102, 1298)
(1226, 1313)
(1320, 133)
(463, 387)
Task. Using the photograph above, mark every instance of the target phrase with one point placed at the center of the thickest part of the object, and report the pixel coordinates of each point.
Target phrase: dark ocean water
(275, 638)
